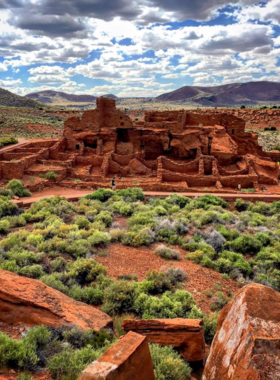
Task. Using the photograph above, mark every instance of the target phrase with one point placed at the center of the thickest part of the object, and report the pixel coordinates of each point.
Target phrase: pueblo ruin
(169, 150)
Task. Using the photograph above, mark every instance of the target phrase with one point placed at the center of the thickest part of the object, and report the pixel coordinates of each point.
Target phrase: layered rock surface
(23, 300)
(128, 359)
(247, 343)
(185, 334)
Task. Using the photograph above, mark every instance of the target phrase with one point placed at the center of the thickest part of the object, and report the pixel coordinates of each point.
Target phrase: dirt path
(74, 194)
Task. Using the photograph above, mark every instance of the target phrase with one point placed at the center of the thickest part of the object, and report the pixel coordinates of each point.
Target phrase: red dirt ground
(123, 260)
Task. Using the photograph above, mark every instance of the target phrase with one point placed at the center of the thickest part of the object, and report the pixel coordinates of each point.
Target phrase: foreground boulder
(247, 343)
(128, 359)
(185, 334)
(23, 300)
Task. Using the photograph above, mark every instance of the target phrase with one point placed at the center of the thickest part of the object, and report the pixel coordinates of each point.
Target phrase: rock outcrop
(247, 343)
(186, 335)
(23, 300)
(128, 359)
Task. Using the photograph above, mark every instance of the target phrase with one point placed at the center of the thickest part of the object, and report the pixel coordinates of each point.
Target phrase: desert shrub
(6, 193)
(82, 222)
(54, 281)
(119, 297)
(260, 208)
(17, 187)
(8, 208)
(170, 305)
(175, 275)
(117, 234)
(228, 234)
(34, 239)
(131, 194)
(203, 247)
(32, 271)
(104, 217)
(209, 217)
(79, 338)
(168, 365)
(4, 226)
(135, 239)
(275, 207)
(210, 323)
(86, 270)
(10, 265)
(99, 238)
(7, 141)
(208, 200)
(101, 194)
(68, 364)
(230, 260)
(16, 221)
(177, 199)
(58, 264)
(50, 175)
(141, 219)
(263, 238)
(215, 239)
(218, 301)
(157, 283)
(22, 353)
(167, 253)
(246, 244)
(241, 205)
(89, 294)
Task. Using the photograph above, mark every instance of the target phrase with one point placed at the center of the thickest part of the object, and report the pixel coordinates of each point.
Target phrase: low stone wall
(187, 335)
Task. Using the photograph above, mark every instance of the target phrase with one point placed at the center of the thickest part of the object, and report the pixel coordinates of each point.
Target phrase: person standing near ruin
(114, 183)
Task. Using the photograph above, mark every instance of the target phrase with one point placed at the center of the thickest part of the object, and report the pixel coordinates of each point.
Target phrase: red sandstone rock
(23, 300)
(128, 359)
(185, 334)
(247, 343)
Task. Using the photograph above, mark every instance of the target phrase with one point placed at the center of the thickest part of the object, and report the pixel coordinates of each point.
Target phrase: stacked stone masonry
(169, 150)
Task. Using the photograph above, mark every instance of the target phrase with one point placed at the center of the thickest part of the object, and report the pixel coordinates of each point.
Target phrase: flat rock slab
(185, 334)
(247, 342)
(23, 300)
(128, 359)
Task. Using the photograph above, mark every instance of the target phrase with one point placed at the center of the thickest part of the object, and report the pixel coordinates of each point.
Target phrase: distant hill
(9, 99)
(226, 95)
(56, 97)
(111, 96)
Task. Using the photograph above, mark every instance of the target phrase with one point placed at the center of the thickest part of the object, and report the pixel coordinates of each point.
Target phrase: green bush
(50, 175)
(119, 297)
(68, 364)
(246, 244)
(17, 187)
(157, 283)
(167, 253)
(86, 270)
(168, 364)
(205, 201)
(101, 194)
(4, 226)
(131, 194)
(135, 239)
(82, 222)
(171, 305)
(7, 141)
(7, 208)
(104, 217)
(32, 271)
(99, 238)
(210, 322)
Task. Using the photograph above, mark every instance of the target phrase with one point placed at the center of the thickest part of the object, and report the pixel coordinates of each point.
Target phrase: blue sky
(136, 47)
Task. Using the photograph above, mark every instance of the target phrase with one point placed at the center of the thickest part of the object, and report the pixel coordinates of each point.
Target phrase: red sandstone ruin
(169, 150)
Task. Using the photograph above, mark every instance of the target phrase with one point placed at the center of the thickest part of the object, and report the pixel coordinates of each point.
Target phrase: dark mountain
(111, 96)
(56, 97)
(226, 95)
(9, 99)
